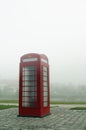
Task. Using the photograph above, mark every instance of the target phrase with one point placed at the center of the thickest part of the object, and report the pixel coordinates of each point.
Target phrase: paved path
(71, 105)
(60, 119)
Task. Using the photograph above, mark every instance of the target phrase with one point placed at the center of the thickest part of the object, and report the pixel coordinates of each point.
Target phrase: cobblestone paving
(60, 119)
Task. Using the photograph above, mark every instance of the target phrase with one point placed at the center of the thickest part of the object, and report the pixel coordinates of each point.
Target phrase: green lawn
(7, 106)
(78, 108)
(8, 101)
(52, 102)
(61, 102)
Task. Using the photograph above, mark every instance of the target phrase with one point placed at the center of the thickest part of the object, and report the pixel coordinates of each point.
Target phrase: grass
(8, 101)
(78, 108)
(58, 102)
(7, 106)
(52, 102)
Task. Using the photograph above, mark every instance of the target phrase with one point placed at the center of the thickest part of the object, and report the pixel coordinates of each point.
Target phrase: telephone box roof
(29, 55)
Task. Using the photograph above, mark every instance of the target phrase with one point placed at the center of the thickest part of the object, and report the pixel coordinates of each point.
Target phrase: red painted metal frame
(39, 110)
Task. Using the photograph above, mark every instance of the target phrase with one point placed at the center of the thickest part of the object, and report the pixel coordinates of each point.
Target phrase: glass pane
(25, 99)
(45, 84)
(45, 98)
(45, 73)
(44, 68)
(33, 99)
(31, 72)
(29, 104)
(30, 77)
(44, 78)
(45, 94)
(29, 99)
(45, 104)
(25, 69)
(25, 93)
(27, 83)
(26, 73)
(25, 104)
(29, 86)
(31, 93)
(29, 68)
(33, 88)
(46, 88)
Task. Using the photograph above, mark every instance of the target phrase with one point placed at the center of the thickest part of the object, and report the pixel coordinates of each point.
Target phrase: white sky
(56, 28)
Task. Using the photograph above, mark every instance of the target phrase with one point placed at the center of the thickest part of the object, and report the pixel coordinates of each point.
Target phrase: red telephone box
(34, 90)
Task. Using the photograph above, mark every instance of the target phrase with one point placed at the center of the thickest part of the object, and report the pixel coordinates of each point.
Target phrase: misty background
(55, 28)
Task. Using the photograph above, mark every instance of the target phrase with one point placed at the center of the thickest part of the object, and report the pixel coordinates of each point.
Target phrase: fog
(55, 28)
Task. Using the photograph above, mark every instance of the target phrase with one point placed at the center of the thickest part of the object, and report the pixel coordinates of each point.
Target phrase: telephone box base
(34, 116)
